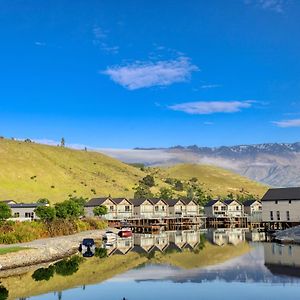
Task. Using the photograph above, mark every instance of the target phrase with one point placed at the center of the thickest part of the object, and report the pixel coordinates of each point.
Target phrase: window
(16, 215)
(127, 208)
(288, 216)
(290, 250)
(111, 208)
(290, 201)
(216, 208)
(278, 215)
(29, 215)
(156, 208)
(163, 208)
(237, 208)
(271, 216)
(276, 201)
(223, 208)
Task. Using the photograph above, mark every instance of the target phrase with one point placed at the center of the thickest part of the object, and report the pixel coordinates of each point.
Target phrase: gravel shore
(45, 250)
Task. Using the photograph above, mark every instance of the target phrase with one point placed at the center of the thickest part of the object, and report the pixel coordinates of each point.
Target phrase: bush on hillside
(5, 211)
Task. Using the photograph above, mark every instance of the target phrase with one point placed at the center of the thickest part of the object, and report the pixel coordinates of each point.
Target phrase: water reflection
(129, 267)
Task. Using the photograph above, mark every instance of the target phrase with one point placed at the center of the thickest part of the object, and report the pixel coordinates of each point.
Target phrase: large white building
(281, 205)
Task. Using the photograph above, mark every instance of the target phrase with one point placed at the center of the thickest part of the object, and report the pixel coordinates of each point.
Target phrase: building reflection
(282, 259)
(149, 243)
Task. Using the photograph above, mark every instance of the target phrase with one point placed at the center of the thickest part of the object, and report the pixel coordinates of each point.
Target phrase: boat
(125, 232)
(109, 236)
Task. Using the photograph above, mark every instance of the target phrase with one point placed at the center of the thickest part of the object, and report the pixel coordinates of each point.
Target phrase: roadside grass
(12, 249)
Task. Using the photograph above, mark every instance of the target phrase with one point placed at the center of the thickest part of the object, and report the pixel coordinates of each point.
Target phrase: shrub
(100, 210)
(3, 293)
(5, 211)
(45, 213)
(68, 267)
(43, 273)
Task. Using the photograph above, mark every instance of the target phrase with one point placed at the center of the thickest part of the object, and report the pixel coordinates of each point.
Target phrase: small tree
(178, 186)
(62, 142)
(148, 180)
(69, 209)
(100, 210)
(142, 192)
(45, 213)
(3, 292)
(5, 211)
(43, 201)
(165, 194)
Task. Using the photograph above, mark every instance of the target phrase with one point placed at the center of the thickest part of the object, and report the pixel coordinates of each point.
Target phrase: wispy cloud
(273, 5)
(100, 40)
(210, 86)
(40, 44)
(99, 33)
(287, 123)
(211, 107)
(147, 74)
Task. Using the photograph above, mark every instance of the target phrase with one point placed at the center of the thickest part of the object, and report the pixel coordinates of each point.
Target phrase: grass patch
(11, 250)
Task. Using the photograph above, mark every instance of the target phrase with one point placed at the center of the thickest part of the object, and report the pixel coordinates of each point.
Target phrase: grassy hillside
(216, 181)
(30, 171)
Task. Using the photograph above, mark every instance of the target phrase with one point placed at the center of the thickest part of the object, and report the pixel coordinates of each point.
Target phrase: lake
(217, 264)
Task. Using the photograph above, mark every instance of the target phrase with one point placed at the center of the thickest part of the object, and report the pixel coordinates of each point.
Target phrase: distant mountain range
(276, 164)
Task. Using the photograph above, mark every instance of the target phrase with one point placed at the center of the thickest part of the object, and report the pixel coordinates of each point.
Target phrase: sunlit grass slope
(30, 171)
(216, 181)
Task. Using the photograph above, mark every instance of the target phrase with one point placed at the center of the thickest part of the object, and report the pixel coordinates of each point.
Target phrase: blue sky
(124, 74)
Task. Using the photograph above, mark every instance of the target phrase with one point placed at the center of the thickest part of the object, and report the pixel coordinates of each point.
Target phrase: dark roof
(138, 202)
(229, 201)
(249, 202)
(211, 203)
(282, 194)
(27, 205)
(172, 202)
(187, 201)
(119, 200)
(97, 201)
(156, 200)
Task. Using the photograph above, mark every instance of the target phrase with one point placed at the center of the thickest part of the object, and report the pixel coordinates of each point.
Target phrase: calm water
(180, 265)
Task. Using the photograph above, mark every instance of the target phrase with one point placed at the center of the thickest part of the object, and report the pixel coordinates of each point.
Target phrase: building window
(237, 208)
(223, 208)
(290, 250)
(29, 215)
(111, 208)
(156, 208)
(16, 215)
(216, 208)
(163, 208)
(271, 215)
(290, 201)
(276, 201)
(127, 208)
(278, 215)
(288, 216)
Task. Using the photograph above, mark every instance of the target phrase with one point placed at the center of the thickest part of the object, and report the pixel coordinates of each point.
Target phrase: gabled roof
(97, 201)
(138, 202)
(212, 202)
(173, 202)
(8, 201)
(119, 200)
(188, 201)
(156, 200)
(292, 193)
(229, 201)
(250, 202)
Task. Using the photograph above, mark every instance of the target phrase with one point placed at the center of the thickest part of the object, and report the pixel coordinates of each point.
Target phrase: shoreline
(45, 250)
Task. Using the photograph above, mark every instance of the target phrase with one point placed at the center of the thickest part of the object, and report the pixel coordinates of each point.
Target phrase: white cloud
(147, 74)
(211, 107)
(210, 86)
(287, 123)
(208, 123)
(274, 5)
(40, 44)
(99, 33)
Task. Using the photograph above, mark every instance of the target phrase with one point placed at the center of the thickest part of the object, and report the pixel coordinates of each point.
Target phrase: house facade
(233, 208)
(24, 211)
(160, 208)
(215, 208)
(253, 210)
(142, 208)
(281, 205)
(124, 208)
(191, 208)
(176, 208)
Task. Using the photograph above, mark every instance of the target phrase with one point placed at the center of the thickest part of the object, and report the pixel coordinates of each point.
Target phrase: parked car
(109, 236)
(125, 232)
(87, 245)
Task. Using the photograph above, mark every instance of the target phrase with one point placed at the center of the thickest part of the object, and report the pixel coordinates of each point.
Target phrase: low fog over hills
(276, 164)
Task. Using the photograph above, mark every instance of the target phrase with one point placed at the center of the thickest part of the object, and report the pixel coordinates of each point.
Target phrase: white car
(109, 236)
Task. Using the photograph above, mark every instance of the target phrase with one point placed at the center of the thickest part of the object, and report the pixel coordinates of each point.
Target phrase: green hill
(216, 181)
(29, 171)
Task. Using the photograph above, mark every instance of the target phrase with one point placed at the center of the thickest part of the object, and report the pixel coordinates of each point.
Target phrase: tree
(62, 142)
(45, 213)
(100, 210)
(142, 192)
(3, 292)
(5, 211)
(79, 200)
(43, 201)
(178, 186)
(43, 273)
(165, 194)
(68, 267)
(148, 181)
(69, 209)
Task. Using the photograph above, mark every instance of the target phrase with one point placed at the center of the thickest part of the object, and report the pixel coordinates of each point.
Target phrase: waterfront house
(124, 208)
(95, 202)
(142, 208)
(160, 208)
(24, 211)
(176, 207)
(253, 209)
(215, 208)
(191, 208)
(8, 202)
(281, 205)
(233, 208)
